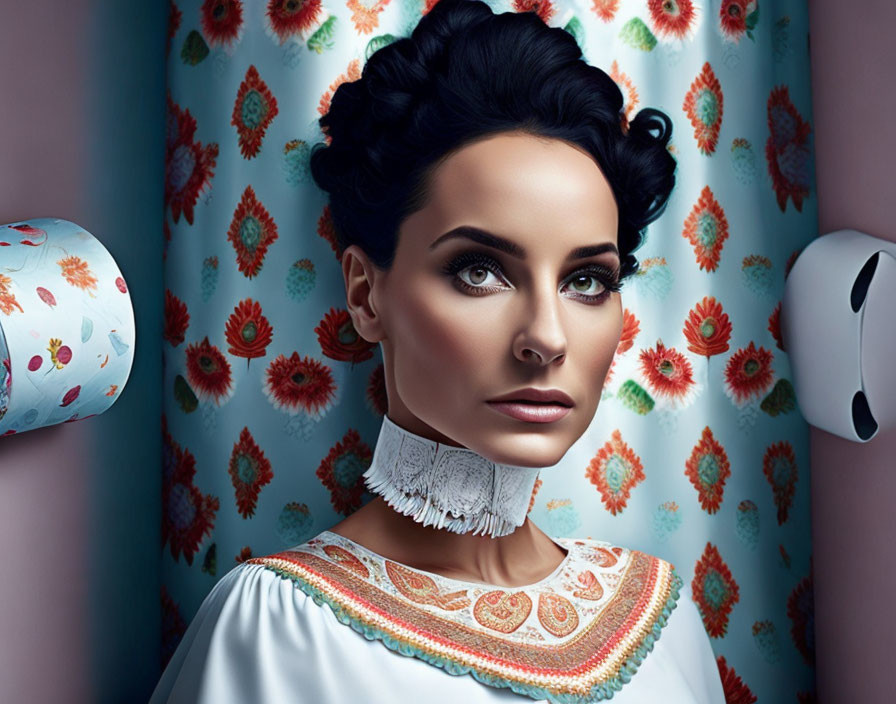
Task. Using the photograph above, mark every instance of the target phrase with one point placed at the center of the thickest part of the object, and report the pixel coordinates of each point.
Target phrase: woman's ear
(360, 276)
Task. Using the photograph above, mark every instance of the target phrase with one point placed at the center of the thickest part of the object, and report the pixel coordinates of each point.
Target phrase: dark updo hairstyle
(463, 74)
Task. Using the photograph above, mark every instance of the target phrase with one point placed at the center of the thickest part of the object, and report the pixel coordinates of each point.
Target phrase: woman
(487, 197)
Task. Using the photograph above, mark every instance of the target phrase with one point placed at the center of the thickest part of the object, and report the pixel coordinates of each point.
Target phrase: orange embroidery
(345, 559)
(593, 591)
(605, 558)
(557, 614)
(423, 590)
(580, 644)
(501, 611)
(77, 273)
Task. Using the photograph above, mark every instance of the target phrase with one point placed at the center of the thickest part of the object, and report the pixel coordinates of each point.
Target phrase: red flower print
(174, 18)
(703, 105)
(288, 18)
(247, 331)
(376, 391)
(707, 328)
(251, 232)
(779, 467)
(208, 371)
(738, 17)
(342, 472)
(615, 470)
(177, 319)
(353, 73)
(189, 166)
(668, 373)
(339, 340)
(774, 326)
(222, 21)
(245, 554)
(327, 230)
(254, 109)
(707, 229)
(787, 150)
(714, 590)
(187, 515)
(736, 692)
(605, 9)
(543, 8)
(673, 18)
(366, 14)
(630, 329)
(748, 374)
(801, 610)
(293, 385)
(249, 470)
(708, 469)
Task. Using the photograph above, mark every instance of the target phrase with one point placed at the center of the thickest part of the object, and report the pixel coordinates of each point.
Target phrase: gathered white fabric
(454, 488)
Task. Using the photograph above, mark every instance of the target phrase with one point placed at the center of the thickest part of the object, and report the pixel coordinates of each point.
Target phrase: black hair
(466, 73)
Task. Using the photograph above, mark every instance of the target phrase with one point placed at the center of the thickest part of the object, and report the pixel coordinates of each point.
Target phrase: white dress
(607, 623)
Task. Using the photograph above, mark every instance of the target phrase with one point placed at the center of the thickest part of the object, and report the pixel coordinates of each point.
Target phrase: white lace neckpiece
(454, 488)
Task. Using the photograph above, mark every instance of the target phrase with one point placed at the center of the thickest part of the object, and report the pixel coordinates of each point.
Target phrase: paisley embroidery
(423, 590)
(592, 590)
(501, 611)
(605, 558)
(598, 614)
(344, 558)
(557, 614)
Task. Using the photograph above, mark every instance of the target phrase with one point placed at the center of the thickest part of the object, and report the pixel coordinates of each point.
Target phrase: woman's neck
(520, 558)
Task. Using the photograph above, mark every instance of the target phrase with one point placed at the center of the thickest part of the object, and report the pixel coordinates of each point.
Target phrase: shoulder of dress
(609, 554)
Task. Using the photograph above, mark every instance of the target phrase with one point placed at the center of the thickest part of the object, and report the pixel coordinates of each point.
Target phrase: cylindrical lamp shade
(66, 325)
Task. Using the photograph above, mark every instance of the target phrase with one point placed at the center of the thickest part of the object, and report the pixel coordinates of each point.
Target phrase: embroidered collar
(448, 487)
(576, 636)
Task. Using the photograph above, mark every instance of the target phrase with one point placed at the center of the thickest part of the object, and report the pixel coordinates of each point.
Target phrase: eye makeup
(608, 278)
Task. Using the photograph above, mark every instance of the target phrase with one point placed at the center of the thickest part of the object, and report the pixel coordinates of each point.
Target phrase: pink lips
(532, 412)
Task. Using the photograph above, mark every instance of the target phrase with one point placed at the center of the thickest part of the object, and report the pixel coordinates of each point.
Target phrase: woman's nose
(541, 338)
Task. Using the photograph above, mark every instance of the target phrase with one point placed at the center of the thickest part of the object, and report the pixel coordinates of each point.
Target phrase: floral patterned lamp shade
(66, 325)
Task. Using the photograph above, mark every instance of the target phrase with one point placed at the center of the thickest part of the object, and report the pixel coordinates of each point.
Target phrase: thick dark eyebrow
(491, 240)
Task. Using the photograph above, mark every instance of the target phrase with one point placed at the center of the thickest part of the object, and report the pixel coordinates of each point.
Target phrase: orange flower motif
(247, 331)
(668, 372)
(748, 373)
(7, 298)
(706, 227)
(615, 470)
(77, 273)
(707, 328)
(543, 8)
(605, 10)
(366, 14)
(708, 469)
(630, 328)
(352, 73)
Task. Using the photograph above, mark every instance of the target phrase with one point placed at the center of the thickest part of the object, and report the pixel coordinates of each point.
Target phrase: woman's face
(465, 319)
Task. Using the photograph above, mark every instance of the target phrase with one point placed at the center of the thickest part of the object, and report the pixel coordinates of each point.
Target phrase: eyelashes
(606, 277)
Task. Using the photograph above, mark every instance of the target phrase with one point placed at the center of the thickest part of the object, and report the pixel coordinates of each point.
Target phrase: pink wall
(82, 138)
(854, 485)
(43, 499)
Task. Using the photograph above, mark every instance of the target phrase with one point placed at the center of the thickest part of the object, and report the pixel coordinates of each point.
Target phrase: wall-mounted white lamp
(838, 322)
